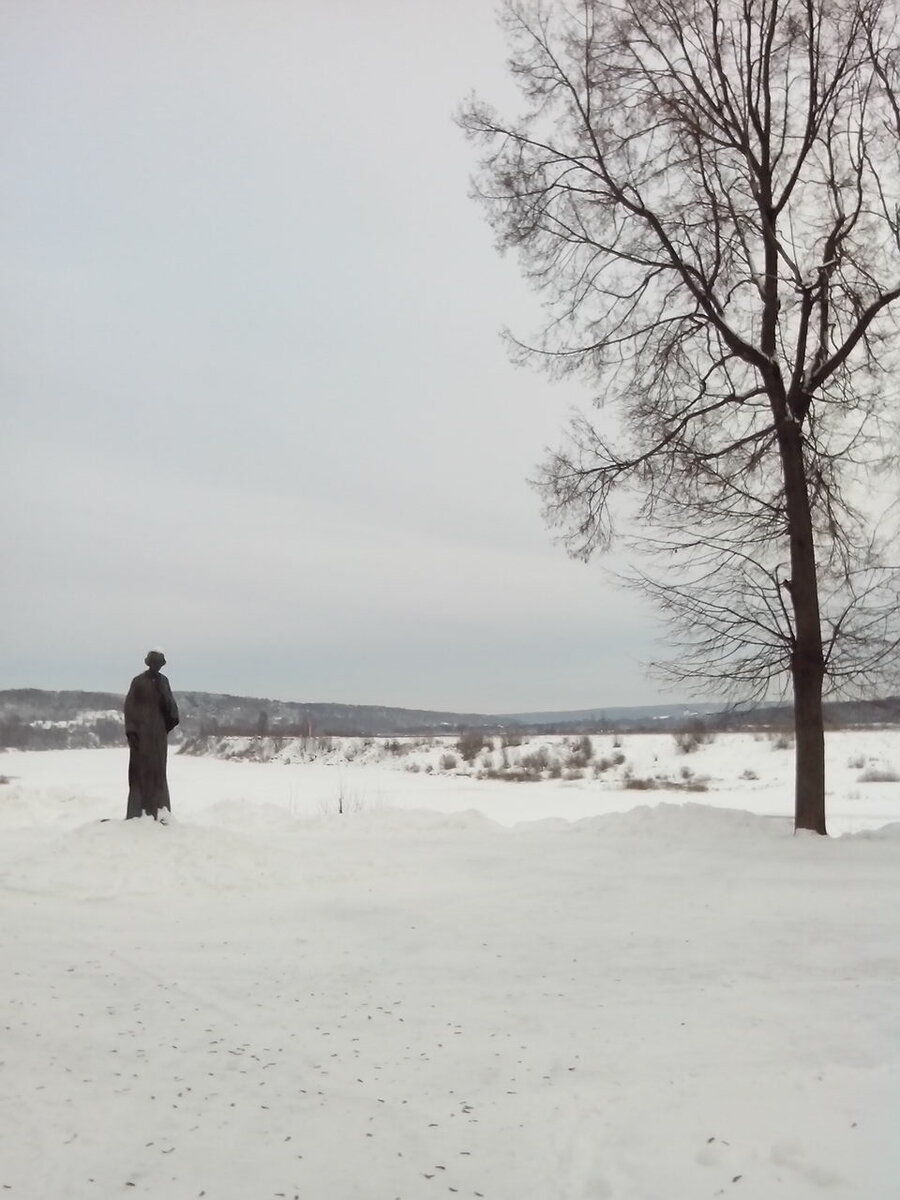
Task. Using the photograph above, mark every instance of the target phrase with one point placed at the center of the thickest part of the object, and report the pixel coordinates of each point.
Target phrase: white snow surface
(454, 987)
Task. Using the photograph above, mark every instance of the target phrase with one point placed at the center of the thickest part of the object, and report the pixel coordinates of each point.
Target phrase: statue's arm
(170, 708)
(131, 710)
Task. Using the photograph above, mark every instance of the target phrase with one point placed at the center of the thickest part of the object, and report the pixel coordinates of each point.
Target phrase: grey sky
(255, 404)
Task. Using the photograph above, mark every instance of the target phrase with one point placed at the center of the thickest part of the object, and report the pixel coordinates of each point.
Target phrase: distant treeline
(32, 719)
(16, 734)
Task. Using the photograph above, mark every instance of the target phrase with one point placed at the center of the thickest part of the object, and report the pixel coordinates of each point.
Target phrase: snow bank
(667, 824)
(426, 995)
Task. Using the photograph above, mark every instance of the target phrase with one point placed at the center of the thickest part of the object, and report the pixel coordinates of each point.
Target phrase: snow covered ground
(555, 990)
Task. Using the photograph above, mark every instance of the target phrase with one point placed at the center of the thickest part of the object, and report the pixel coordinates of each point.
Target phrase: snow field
(454, 988)
(735, 770)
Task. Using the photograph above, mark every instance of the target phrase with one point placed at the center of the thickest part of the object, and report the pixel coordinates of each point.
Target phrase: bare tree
(707, 193)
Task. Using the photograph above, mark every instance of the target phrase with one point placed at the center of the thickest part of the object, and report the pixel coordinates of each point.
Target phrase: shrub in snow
(511, 775)
(536, 762)
(581, 751)
(342, 803)
(878, 775)
(449, 762)
(694, 734)
(470, 744)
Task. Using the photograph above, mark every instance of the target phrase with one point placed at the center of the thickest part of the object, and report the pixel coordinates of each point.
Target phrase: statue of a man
(150, 715)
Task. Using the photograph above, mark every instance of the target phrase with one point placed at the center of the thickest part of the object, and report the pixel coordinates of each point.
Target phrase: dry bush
(398, 748)
(470, 744)
(581, 751)
(513, 775)
(692, 735)
(536, 762)
(878, 775)
(686, 742)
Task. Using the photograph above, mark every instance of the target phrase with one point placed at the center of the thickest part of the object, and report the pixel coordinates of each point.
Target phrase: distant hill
(31, 718)
(241, 714)
(42, 719)
(629, 714)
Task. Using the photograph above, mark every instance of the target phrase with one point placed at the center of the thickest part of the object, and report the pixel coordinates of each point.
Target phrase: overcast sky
(256, 408)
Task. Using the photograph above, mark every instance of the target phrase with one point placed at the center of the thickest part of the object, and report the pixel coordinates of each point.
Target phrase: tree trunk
(808, 660)
(809, 730)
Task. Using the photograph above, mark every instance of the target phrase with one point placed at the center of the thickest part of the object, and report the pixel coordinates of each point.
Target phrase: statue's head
(155, 660)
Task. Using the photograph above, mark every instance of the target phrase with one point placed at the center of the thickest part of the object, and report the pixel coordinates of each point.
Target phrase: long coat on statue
(150, 714)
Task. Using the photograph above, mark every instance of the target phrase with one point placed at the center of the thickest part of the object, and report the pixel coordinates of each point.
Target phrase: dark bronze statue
(150, 715)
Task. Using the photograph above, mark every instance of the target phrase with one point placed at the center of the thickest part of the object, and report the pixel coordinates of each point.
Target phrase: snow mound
(262, 817)
(676, 823)
(239, 846)
(887, 833)
(418, 820)
(545, 825)
(23, 807)
(104, 860)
